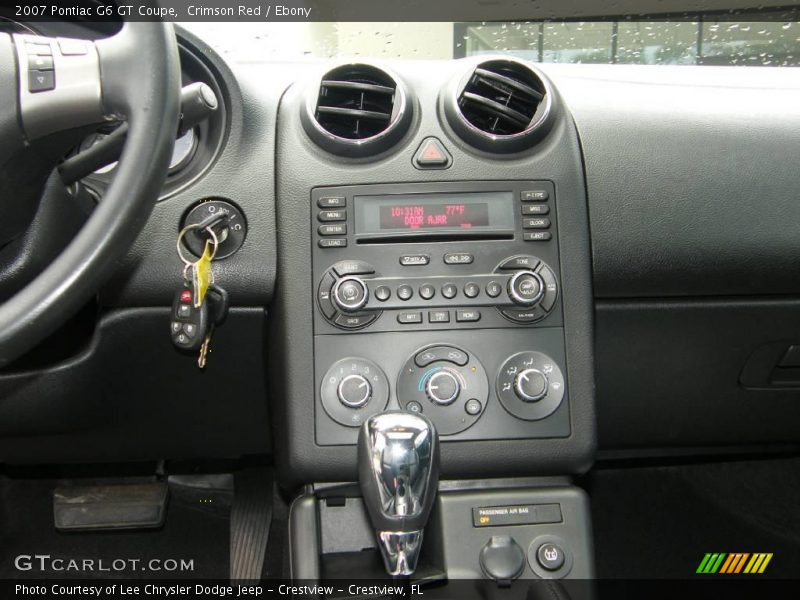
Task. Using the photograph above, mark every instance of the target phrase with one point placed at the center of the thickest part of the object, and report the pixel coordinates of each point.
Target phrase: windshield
(699, 40)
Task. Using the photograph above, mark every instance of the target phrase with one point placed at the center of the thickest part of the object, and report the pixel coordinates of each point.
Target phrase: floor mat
(659, 522)
(193, 543)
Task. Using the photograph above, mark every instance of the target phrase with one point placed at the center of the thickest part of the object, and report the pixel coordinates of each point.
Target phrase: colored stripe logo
(734, 563)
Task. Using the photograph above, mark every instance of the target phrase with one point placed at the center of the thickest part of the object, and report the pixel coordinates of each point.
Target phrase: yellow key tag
(202, 277)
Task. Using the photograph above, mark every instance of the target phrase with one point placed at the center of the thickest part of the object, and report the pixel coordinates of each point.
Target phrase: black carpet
(658, 522)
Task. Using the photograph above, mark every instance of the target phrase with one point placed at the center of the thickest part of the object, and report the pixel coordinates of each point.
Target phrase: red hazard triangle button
(431, 154)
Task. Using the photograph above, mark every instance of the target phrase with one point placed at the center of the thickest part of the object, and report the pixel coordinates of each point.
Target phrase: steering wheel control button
(550, 556)
(449, 290)
(415, 260)
(40, 49)
(534, 196)
(530, 386)
(332, 202)
(405, 292)
(350, 294)
(459, 258)
(335, 229)
(442, 387)
(441, 353)
(471, 290)
(41, 81)
(473, 407)
(37, 62)
(409, 318)
(493, 289)
(383, 293)
(70, 47)
(535, 209)
(519, 262)
(468, 316)
(502, 559)
(431, 154)
(427, 291)
(449, 383)
(438, 316)
(352, 390)
(332, 215)
(537, 236)
(525, 288)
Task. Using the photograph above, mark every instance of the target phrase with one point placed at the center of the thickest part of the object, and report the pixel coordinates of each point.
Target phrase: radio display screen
(434, 214)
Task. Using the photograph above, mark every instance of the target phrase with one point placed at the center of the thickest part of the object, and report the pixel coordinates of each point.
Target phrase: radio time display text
(431, 216)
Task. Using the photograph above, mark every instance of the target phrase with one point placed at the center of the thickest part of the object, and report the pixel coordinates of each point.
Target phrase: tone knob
(525, 288)
(354, 391)
(530, 385)
(442, 387)
(350, 294)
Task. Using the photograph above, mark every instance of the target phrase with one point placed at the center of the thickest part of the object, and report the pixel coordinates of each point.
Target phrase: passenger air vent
(502, 105)
(358, 110)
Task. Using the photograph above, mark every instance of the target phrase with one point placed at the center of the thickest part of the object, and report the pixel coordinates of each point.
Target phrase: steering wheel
(50, 87)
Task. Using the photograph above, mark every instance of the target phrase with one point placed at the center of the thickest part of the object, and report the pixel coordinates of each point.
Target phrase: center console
(426, 268)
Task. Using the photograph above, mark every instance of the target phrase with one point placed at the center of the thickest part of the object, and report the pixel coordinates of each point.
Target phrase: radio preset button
(471, 289)
(332, 202)
(520, 262)
(383, 293)
(335, 229)
(535, 209)
(537, 236)
(467, 316)
(333, 243)
(409, 317)
(427, 291)
(449, 290)
(405, 292)
(439, 316)
(493, 289)
(460, 258)
(332, 215)
(534, 196)
(414, 260)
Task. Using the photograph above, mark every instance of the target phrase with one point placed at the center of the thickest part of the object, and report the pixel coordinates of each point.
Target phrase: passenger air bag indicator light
(432, 154)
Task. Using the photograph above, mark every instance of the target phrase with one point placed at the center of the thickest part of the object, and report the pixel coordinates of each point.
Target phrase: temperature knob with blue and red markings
(446, 384)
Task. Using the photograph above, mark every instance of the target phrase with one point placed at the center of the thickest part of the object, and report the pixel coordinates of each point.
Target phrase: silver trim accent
(344, 305)
(522, 394)
(519, 299)
(546, 105)
(77, 98)
(400, 551)
(401, 104)
(358, 403)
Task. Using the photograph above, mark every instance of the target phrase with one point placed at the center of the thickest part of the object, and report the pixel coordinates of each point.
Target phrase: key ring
(179, 245)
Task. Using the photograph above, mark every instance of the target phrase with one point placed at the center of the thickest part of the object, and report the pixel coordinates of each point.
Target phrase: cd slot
(428, 238)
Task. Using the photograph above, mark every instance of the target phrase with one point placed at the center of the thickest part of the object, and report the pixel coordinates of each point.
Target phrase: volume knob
(350, 294)
(525, 288)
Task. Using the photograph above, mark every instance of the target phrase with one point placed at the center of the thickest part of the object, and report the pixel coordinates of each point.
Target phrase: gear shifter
(398, 467)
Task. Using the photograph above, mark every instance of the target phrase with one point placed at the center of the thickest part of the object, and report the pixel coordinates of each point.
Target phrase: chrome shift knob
(398, 467)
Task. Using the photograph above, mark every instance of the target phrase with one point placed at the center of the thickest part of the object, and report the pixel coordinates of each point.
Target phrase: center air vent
(502, 105)
(357, 110)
